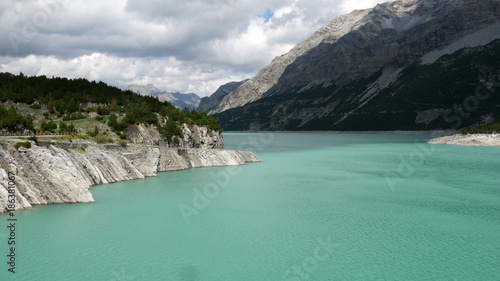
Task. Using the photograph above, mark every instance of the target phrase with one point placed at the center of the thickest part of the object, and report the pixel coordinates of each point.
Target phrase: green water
(319, 207)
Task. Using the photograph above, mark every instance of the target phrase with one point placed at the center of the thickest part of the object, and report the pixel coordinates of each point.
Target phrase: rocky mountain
(180, 100)
(144, 90)
(208, 103)
(407, 64)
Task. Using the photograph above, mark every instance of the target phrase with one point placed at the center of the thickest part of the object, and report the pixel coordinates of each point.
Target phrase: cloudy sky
(177, 45)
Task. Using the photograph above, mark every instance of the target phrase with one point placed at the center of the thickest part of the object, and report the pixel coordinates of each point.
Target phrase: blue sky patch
(267, 15)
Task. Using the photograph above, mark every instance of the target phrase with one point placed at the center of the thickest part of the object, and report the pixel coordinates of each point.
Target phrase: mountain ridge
(385, 39)
(458, 90)
(208, 103)
(180, 100)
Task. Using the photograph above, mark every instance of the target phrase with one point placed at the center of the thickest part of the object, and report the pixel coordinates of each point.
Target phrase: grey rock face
(144, 90)
(143, 134)
(200, 137)
(193, 137)
(399, 66)
(149, 160)
(255, 88)
(54, 175)
(355, 46)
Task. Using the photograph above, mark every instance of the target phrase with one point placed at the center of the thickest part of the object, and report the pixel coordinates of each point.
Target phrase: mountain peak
(357, 44)
(179, 100)
(349, 74)
(144, 90)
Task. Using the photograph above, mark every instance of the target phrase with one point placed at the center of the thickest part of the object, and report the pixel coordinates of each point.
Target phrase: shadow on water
(289, 141)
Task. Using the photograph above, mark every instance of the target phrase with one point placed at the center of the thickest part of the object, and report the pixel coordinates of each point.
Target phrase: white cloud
(173, 75)
(121, 42)
(349, 6)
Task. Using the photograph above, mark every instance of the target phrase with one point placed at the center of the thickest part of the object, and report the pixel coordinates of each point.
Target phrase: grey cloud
(214, 38)
(150, 28)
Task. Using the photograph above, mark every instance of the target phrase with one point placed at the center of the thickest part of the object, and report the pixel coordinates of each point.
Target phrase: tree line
(65, 98)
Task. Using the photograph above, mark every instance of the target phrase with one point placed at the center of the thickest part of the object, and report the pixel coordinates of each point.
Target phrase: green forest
(64, 98)
(13, 121)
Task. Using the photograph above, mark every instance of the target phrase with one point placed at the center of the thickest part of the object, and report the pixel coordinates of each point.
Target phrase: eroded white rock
(50, 175)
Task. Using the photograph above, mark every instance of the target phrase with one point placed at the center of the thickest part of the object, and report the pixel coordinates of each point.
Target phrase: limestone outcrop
(200, 137)
(51, 174)
(193, 137)
(469, 140)
(143, 134)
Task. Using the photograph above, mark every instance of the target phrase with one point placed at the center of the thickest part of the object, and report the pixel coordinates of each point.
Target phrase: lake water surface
(319, 207)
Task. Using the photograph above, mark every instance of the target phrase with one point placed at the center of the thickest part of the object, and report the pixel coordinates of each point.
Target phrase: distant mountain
(180, 100)
(144, 90)
(208, 103)
(400, 65)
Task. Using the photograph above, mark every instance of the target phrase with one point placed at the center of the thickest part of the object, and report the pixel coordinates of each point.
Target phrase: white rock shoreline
(469, 140)
(54, 174)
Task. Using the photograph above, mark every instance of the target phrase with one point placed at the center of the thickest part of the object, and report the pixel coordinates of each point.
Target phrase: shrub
(122, 142)
(103, 110)
(492, 128)
(103, 139)
(50, 126)
(26, 144)
(83, 137)
(65, 128)
(170, 129)
(28, 122)
(115, 125)
(62, 127)
(74, 116)
(93, 133)
(71, 128)
(33, 138)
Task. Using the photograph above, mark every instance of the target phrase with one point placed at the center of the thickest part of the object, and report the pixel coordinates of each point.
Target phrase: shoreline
(430, 132)
(468, 140)
(54, 173)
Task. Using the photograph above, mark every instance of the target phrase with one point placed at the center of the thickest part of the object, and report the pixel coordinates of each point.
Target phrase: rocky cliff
(329, 80)
(50, 174)
(193, 136)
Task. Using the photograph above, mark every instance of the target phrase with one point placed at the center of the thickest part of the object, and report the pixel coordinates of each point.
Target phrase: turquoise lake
(319, 207)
